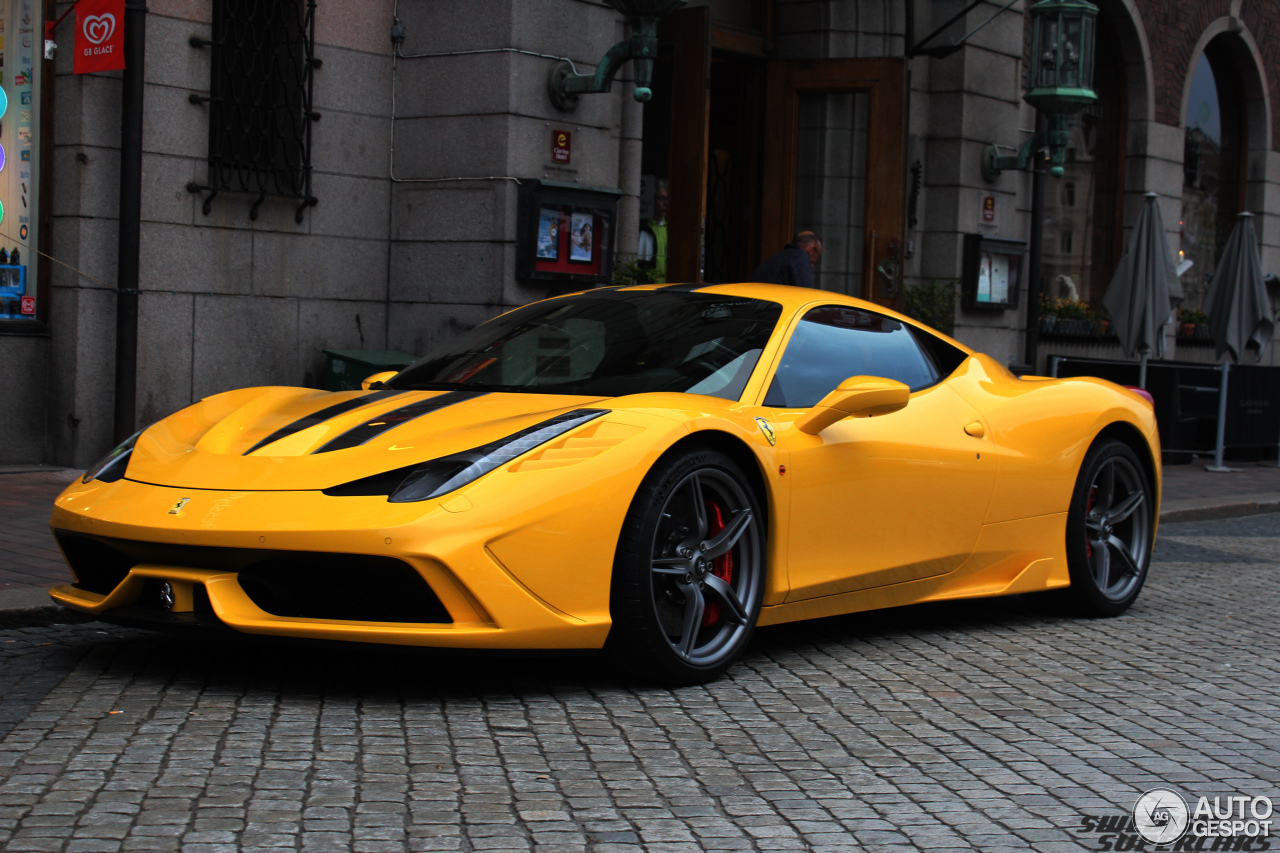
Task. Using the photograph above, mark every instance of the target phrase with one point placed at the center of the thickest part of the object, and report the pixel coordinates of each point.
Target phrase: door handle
(976, 429)
(888, 268)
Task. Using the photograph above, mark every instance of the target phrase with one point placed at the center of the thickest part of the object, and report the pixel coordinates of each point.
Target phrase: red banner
(99, 35)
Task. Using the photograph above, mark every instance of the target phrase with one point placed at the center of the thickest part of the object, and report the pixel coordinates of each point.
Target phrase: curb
(1235, 509)
(67, 474)
(30, 606)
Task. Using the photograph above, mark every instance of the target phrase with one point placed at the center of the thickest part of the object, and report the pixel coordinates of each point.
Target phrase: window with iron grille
(260, 115)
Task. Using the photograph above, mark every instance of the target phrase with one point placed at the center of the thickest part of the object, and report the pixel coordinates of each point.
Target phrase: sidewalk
(30, 561)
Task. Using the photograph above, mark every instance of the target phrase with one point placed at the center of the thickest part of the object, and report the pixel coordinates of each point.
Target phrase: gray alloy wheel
(1109, 531)
(689, 576)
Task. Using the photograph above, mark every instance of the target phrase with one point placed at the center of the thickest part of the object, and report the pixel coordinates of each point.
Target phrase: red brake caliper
(721, 567)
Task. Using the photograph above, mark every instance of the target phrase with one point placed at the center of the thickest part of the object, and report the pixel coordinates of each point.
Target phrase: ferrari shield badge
(767, 429)
(177, 508)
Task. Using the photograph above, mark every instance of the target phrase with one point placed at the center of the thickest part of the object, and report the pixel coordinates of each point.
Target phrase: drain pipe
(126, 391)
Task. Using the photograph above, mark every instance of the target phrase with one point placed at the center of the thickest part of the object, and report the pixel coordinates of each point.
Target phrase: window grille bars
(260, 101)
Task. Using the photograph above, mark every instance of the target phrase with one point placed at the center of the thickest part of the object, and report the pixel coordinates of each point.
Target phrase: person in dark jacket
(794, 264)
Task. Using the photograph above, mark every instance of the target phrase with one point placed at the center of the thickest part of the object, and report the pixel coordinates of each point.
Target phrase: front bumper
(449, 547)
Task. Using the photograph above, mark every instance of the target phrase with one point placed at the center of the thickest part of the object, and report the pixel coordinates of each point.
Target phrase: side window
(834, 342)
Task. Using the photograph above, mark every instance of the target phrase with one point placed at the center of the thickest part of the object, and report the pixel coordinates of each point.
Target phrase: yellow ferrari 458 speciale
(652, 471)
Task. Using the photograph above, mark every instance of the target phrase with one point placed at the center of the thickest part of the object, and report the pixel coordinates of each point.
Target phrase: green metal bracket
(564, 86)
(1055, 139)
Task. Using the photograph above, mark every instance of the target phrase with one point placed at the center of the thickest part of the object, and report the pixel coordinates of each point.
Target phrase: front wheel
(688, 577)
(1109, 531)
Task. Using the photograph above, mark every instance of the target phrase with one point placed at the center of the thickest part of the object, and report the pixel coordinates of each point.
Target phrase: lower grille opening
(98, 567)
(338, 586)
(200, 604)
(354, 587)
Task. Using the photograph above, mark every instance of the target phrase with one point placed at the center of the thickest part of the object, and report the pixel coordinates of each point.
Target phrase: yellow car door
(876, 500)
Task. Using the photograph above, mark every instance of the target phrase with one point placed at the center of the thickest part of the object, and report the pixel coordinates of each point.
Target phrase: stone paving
(28, 552)
(972, 726)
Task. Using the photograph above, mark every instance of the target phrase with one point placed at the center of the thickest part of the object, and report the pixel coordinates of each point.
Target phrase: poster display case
(565, 233)
(991, 272)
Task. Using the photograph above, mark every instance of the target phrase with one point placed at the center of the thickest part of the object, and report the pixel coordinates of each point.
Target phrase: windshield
(609, 344)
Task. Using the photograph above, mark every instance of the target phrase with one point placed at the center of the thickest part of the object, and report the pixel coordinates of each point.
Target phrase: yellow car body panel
(963, 493)
(910, 465)
(213, 445)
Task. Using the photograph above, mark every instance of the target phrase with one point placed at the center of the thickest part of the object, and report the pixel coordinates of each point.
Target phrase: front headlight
(438, 477)
(111, 467)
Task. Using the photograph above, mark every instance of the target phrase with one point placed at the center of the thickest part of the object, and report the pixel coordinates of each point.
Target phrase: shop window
(1211, 168)
(1086, 206)
(260, 114)
(20, 76)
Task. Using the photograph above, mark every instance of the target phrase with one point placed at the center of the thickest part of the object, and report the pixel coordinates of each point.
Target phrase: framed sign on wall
(992, 272)
(565, 233)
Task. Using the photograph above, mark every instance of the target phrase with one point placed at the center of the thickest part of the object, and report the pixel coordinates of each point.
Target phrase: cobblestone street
(970, 726)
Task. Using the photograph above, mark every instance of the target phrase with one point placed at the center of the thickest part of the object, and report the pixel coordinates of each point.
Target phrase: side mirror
(856, 397)
(374, 382)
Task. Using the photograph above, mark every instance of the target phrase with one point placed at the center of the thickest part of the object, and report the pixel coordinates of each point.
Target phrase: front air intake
(305, 584)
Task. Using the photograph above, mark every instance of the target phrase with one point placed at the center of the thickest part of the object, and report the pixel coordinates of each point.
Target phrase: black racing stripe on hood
(321, 416)
(356, 436)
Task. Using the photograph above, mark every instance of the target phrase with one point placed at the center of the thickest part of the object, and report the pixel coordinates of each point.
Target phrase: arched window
(1211, 167)
(1083, 209)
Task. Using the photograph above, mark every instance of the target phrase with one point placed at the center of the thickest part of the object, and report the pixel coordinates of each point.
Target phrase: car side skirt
(1027, 555)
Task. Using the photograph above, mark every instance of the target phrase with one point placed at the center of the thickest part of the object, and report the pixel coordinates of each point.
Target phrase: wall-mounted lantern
(565, 85)
(1061, 78)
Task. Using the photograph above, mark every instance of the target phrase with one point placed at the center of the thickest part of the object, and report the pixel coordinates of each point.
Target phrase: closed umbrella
(1237, 304)
(1239, 312)
(1144, 290)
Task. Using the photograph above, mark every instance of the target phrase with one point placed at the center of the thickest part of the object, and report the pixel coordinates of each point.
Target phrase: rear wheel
(1109, 531)
(689, 573)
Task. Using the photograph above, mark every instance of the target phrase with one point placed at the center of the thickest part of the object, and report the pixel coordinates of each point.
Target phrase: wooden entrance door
(834, 164)
(689, 34)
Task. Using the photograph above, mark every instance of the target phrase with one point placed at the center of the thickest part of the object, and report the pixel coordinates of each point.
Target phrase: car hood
(267, 439)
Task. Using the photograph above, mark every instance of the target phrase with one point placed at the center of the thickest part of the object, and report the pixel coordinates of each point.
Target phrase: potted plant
(633, 273)
(1099, 321)
(1073, 318)
(1192, 323)
(933, 304)
(1048, 319)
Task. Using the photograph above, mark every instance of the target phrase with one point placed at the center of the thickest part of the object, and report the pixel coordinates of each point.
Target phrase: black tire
(687, 586)
(1110, 531)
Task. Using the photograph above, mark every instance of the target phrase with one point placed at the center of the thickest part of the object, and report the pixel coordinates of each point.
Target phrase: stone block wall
(469, 129)
(395, 255)
(226, 300)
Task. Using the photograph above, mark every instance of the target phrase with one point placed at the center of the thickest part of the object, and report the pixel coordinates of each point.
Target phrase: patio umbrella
(1237, 304)
(1145, 289)
(1239, 312)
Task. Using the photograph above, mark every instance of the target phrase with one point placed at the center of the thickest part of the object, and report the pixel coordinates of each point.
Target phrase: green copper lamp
(1061, 77)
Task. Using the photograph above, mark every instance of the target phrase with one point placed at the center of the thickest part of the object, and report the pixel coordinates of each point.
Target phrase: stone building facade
(768, 116)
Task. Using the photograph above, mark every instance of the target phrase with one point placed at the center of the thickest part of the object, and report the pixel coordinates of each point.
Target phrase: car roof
(792, 299)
